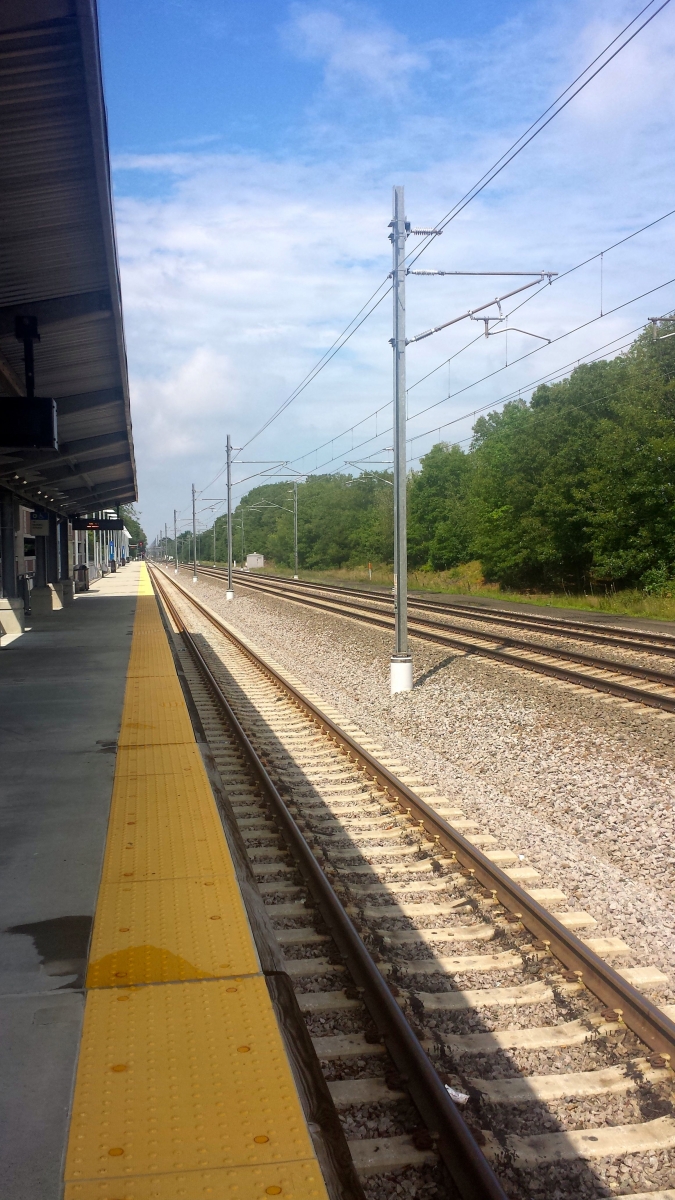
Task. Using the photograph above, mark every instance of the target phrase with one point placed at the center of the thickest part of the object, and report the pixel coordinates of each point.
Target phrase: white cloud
(354, 48)
(244, 270)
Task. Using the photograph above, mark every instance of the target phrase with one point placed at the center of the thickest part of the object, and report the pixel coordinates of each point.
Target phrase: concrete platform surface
(61, 693)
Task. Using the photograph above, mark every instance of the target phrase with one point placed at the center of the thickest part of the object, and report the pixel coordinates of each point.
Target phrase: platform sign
(39, 523)
(107, 524)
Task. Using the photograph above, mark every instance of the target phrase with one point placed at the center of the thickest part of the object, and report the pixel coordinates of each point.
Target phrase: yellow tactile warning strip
(175, 929)
(170, 1098)
(161, 826)
(183, 1087)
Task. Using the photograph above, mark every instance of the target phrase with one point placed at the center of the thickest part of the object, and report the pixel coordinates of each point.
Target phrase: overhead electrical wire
(497, 371)
(533, 130)
(549, 377)
(540, 124)
(553, 342)
(516, 393)
(570, 271)
(326, 357)
(592, 356)
(546, 286)
(484, 378)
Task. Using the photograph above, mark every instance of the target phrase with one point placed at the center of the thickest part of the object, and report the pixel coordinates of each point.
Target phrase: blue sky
(254, 150)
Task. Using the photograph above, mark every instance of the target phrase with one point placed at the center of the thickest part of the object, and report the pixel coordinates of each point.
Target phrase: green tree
(631, 519)
(129, 515)
(575, 486)
(439, 517)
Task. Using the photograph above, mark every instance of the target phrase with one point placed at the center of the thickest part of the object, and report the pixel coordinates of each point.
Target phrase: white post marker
(401, 660)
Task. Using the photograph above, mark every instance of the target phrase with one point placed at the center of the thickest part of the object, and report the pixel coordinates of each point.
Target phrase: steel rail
(665, 678)
(434, 631)
(636, 1011)
(642, 641)
(453, 1141)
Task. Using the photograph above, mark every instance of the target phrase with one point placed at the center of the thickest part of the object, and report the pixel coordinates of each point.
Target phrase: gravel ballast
(580, 785)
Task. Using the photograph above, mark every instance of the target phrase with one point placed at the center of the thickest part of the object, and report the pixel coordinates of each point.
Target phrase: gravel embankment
(583, 787)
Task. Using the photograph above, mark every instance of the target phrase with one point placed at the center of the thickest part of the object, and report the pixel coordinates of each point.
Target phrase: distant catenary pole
(194, 534)
(295, 524)
(229, 595)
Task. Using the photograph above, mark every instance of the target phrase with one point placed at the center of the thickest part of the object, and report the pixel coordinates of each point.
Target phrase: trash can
(81, 577)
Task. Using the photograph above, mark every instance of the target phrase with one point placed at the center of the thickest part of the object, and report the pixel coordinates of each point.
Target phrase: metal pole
(194, 535)
(214, 541)
(175, 544)
(401, 660)
(166, 542)
(295, 524)
(229, 595)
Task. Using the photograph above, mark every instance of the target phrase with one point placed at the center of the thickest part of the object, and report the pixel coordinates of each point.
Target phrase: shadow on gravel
(447, 662)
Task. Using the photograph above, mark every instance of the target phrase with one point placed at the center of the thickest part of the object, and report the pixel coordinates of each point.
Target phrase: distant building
(255, 560)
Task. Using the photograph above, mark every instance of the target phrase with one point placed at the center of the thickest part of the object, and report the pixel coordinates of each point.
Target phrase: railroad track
(593, 671)
(577, 630)
(425, 957)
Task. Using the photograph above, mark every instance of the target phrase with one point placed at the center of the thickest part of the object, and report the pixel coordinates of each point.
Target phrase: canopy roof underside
(58, 258)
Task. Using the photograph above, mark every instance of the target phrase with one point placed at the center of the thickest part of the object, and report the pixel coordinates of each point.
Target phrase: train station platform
(142, 1056)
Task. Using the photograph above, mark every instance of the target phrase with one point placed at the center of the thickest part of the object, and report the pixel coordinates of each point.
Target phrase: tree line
(131, 520)
(574, 487)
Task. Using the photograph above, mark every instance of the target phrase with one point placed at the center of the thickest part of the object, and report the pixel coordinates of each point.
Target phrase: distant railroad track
(596, 672)
(373, 881)
(578, 630)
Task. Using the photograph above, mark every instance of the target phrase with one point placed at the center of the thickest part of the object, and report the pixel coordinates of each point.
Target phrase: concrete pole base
(295, 577)
(229, 595)
(194, 579)
(44, 600)
(66, 590)
(401, 673)
(12, 620)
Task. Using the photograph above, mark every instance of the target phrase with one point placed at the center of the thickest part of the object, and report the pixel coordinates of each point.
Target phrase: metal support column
(40, 580)
(175, 544)
(64, 572)
(295, 524)
(194, 534)
(52, 549)
(401, 660)
(7, 546)
(229, 595)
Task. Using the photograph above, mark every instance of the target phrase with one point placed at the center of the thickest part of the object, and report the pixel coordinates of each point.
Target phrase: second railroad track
(634, 679)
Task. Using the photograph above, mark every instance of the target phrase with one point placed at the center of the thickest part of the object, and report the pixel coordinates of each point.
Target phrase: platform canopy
(58, 257)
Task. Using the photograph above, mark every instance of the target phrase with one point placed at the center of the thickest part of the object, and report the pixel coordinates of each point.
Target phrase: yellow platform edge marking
(183, 1087)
